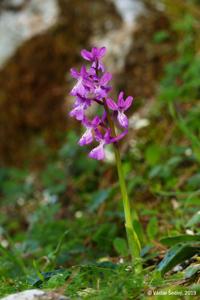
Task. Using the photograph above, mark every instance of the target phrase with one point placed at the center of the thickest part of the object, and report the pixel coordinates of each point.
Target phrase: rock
(21, 20)
(147, 58)
(35, 295)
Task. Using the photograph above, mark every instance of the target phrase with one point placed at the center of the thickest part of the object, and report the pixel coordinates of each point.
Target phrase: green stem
(133, 240)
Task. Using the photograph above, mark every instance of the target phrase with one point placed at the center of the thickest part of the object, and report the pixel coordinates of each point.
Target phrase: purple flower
(98, 152)
(98, 87)
(80, 106)
(120, 107)
(102, 89)
(87, 137)
(79, 87)
(94, 56)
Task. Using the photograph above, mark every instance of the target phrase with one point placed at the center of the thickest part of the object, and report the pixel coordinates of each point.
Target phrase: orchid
(93, 87)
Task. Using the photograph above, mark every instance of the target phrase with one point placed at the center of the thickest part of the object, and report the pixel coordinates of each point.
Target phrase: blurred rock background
(41, 41)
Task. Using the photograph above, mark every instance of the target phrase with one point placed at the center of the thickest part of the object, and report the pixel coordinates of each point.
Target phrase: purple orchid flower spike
(79, 87)
(95, 56)
(120, 107)
(98, 152)
(88, 136)
(93, 87)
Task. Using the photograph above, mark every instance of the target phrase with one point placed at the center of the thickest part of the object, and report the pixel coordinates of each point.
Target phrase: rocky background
(40, 43)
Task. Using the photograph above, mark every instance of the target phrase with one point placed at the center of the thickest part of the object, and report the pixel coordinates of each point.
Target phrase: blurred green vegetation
(61, 227)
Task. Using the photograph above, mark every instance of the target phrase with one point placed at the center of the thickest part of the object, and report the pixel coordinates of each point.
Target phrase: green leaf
(104, 235)
(98, 199)
(54, 179)
(152, 228)
(153, 154)
(37, 281)
(120, 246)
(194, 220)
(194, 181)
(185, 238)
(177, 254)
(139, 230)
(54, 254)
(192, 271)
(192, 200)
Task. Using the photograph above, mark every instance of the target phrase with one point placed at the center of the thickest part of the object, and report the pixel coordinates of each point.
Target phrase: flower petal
(111, 104)
(82, 100)
(98, 152)
(107, 136)
(86, 138)
(123, 120)
(91, 72)
(128, 102)
(85, 122)
(97, 64)
(105, 78)
(78, 113)
(87, 55)
(121, 100)
(79, 89)
(94, 52)
(101, 66)
(83, 71)
(74, 73)
(96, 121)
(98, 135)
(119, 136)
(100, 92)
(101, 52)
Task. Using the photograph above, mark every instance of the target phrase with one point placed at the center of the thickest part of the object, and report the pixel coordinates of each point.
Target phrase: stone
(35, 294)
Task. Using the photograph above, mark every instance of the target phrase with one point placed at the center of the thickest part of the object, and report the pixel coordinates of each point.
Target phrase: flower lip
(97, 152)
(88, 136)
